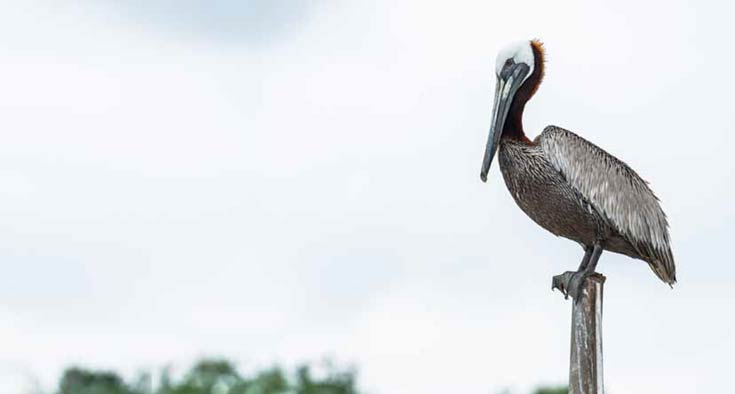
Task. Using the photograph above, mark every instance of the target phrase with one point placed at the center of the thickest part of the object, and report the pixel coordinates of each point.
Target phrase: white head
(514, 65)
(518, 52)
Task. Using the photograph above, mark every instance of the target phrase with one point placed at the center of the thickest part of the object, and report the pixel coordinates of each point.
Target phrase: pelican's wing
(616, 192)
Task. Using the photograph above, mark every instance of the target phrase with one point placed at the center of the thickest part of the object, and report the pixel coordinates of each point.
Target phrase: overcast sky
(278, 181)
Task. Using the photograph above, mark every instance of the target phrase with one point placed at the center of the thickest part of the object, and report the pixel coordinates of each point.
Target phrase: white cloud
(165, 196)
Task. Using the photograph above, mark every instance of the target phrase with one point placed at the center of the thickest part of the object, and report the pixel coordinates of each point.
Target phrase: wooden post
(585, 361)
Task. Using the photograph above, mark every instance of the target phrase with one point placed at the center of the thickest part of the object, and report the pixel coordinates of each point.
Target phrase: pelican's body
(566, 184)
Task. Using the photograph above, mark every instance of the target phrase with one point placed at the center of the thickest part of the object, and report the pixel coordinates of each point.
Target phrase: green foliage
(205, 377)
(333, 383)
(80, 381)
(552, 390)
(211, 376)
(218, 376)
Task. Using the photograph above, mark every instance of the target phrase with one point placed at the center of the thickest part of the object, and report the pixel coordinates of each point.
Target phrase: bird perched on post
(568, 185)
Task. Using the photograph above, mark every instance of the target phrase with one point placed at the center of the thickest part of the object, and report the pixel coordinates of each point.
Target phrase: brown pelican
(568, 185)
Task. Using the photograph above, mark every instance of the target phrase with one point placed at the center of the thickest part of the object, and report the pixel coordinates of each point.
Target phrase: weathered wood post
(585, 360)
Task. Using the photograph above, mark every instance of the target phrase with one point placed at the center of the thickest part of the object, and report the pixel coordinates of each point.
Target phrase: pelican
(568, 185)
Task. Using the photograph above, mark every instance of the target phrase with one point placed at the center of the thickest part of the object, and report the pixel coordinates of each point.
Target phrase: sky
(283, 181)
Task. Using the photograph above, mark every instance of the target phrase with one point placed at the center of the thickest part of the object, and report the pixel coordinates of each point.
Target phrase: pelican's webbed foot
(571, 283)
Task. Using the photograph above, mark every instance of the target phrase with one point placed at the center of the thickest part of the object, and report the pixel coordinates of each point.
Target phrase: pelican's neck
(513, 128)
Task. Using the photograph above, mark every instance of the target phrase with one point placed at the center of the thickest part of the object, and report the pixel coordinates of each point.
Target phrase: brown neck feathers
(514, 123)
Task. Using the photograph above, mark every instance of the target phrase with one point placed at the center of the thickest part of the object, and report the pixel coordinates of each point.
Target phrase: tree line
(220, 376)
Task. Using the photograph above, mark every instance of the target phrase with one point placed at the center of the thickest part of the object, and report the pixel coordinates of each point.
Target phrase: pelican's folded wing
(615, 191)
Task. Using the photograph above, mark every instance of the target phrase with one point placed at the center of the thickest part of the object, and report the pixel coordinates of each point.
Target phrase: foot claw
(570, 283)
(561, 282)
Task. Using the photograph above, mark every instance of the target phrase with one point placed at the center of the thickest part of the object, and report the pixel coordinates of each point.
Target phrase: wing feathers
(616, 191)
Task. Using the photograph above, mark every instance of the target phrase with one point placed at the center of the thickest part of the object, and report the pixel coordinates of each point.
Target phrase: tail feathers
(663, 266)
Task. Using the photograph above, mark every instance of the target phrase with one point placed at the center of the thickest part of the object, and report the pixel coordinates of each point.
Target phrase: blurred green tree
(552, 390)
(211, 376)
(81, 381)
(336, 382)
(219, 376)
(205, 377)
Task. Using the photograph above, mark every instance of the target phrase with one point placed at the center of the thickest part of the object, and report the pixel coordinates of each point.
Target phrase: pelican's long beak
(510, 79)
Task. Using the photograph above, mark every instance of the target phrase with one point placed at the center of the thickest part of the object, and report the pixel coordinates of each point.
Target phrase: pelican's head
(515, 57)
(514, 66)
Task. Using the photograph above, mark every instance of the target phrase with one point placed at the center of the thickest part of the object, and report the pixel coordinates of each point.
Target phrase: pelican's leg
(592, 263)
(586, 259)
(570, 282)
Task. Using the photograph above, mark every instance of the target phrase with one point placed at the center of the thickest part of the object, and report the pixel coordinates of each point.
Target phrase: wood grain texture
(585, 363)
